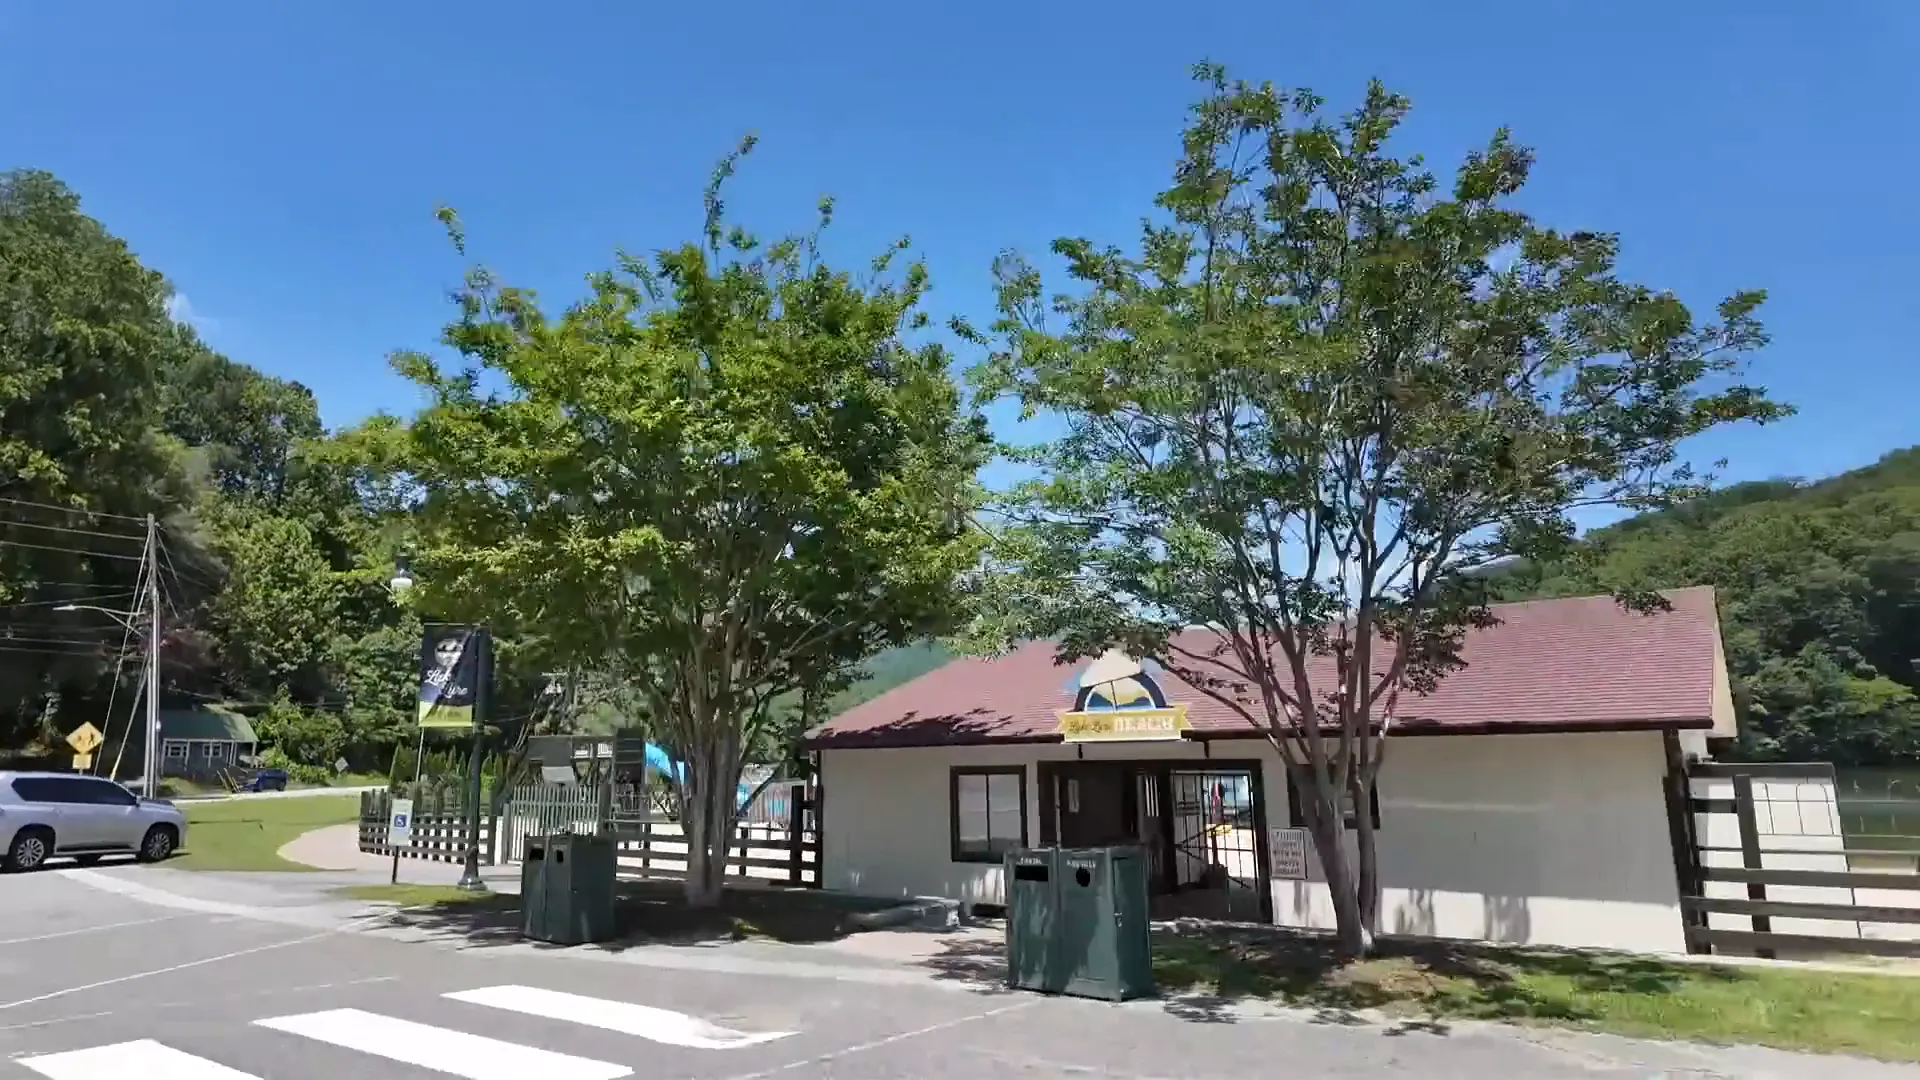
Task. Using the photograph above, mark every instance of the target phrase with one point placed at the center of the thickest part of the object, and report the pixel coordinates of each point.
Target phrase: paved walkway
(336, 847)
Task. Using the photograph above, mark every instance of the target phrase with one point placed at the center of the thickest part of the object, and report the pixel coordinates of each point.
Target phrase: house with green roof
(200, 739)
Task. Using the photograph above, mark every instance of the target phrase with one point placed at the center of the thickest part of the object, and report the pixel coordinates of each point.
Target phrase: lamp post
(150, 744)
(470, 879)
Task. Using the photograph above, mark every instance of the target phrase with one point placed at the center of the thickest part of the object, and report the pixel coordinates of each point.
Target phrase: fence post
(796, 810)
(1750, 855)
(646, 846)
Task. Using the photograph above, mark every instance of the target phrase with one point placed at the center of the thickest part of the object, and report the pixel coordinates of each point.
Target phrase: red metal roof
(1578, 664)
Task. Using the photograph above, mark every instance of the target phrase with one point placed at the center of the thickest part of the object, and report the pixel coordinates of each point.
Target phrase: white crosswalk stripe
(440, 1049)
(474, 1057)
(658, 1025)
(141, 1058)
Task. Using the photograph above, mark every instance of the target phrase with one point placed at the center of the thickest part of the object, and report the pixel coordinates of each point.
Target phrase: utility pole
(152, 770)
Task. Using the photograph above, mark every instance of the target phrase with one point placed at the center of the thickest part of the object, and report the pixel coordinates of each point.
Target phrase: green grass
(247, 834)
(1829, 1012)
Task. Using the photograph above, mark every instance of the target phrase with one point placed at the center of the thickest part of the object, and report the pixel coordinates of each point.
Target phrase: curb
(925, 913)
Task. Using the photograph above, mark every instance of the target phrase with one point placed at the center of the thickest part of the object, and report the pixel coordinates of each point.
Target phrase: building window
(989, 805)
(1299, 819)
(177, 750)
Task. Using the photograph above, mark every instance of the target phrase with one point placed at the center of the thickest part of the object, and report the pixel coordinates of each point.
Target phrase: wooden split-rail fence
(1774, 872)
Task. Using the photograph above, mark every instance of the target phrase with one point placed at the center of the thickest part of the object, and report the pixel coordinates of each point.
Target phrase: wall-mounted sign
(1287, 853)
(1118, 701)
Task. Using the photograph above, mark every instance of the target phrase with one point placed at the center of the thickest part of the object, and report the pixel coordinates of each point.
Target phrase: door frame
(1051, 774)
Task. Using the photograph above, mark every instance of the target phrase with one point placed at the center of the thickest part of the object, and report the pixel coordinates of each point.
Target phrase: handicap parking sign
(400, 828)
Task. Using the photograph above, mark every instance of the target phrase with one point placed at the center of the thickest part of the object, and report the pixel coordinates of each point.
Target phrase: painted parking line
(474, 1057)
(142, 1058)
(657, 1025)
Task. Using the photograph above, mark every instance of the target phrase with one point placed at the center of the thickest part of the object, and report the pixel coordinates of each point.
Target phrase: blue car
(267, 780)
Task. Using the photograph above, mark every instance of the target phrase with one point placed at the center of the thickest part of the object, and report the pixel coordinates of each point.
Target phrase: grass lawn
(1871, 1015)
(247, 834)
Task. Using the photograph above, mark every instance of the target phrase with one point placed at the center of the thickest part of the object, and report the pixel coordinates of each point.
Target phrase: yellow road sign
(85, 739)
(82, 761)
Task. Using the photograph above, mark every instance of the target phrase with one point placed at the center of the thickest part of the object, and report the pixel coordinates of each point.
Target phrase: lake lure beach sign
(1118, 700)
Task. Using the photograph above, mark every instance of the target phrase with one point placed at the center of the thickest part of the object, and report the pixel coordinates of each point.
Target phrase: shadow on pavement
(652, 913)
(1206, 972)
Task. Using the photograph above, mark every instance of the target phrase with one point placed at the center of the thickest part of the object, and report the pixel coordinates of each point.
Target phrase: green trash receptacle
(1032, 903)
(1104, 931)
(567, 889)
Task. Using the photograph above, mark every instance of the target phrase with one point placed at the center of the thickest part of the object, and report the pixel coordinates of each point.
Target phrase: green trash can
(567, 889)
(1032, 902)
(1104, 932)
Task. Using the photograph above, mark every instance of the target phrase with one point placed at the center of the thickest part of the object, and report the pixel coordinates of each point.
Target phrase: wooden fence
(1774, 871)
(781, 849)
(438, 833)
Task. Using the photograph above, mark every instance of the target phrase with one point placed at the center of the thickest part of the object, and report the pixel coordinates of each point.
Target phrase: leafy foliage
(1819, 589)
(725, 478)
(1324, 391)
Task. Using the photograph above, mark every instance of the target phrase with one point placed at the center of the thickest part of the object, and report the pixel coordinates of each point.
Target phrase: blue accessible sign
(400, 828)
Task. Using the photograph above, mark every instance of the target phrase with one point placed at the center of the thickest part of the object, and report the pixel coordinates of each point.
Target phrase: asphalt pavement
(96, 983)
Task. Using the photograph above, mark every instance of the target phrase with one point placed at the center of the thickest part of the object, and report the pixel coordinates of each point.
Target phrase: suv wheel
(157, 844)
(30, 849)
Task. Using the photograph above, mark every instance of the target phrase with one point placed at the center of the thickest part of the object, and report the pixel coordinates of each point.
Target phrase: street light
(150, 754)
(399, 584)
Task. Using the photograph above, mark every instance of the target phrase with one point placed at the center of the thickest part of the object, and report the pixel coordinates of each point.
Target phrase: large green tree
(727, 477)
(1324, 388)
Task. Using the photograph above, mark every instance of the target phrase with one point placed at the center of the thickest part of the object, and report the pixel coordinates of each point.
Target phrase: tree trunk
(1324, 824)
(1367, 887)
(708, 819)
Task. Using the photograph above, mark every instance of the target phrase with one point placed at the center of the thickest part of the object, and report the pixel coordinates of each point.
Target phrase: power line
(92, 648)
(7, 636)
(72, 551)
(113, 688)
(70, 529)
(73, 510)
(69, 600)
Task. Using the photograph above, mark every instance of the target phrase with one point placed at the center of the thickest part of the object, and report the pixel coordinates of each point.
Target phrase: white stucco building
(1529, 799)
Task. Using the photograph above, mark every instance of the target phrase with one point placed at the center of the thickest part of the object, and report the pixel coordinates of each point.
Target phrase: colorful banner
(455, 662)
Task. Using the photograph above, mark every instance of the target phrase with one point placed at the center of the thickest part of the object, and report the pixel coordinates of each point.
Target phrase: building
(195, 742)
(1524, 800)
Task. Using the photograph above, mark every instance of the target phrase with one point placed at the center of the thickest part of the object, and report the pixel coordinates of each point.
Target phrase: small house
(203, 739)
(1524, 800)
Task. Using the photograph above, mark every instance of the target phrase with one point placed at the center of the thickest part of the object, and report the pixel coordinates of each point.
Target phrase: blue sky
(280, 162)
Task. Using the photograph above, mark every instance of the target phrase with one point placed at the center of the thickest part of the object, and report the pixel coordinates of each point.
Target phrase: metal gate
(1216, 840)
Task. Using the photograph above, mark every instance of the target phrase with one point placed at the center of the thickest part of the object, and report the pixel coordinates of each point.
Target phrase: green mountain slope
(1819, 602)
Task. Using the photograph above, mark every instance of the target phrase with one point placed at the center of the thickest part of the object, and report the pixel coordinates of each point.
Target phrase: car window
(99, 792)
(34, 789)
(108, 793)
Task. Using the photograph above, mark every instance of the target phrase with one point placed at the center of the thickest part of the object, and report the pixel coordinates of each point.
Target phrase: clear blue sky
(280, 162)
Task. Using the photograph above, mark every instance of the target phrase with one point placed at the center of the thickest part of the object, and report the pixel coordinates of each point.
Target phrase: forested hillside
(273, 558)
(1819, 586)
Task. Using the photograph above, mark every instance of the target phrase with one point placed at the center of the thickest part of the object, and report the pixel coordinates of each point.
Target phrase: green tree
(308, 737)
(725, 477)
(1324, 391)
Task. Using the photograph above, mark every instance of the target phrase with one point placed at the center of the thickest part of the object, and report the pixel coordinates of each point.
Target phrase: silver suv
(43, 814)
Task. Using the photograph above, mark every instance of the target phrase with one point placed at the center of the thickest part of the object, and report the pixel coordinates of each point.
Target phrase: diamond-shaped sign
(85, 739)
